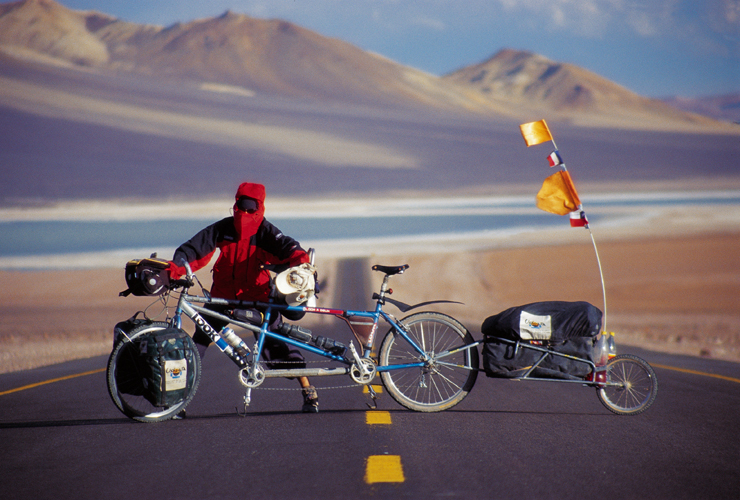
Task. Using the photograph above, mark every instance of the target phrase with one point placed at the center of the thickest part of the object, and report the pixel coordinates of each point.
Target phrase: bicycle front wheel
(631, 385)
(127, 377)
(441, 380)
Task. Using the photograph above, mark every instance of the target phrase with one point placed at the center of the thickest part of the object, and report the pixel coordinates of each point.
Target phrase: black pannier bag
(123, 328)
(563, 327)
(146, 277)
(169, 359)
(132, 367)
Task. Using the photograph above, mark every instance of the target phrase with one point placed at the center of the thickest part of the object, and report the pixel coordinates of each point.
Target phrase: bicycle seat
(390, 270)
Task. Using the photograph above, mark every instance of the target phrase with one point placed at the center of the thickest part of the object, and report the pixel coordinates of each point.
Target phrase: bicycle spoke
(631, 387)
(438, 384)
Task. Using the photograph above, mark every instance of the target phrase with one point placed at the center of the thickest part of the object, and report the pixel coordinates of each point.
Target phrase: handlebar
(182, 282)
(189, 270)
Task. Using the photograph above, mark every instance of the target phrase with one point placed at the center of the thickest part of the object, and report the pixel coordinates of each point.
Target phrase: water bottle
(296, 332)
(234, 341)
(611, 346)
(601, 356)
(334, 347)
(601, 350)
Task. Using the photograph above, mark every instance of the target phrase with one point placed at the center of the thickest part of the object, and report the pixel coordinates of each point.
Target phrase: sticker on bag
(534, 327)
(176, 374)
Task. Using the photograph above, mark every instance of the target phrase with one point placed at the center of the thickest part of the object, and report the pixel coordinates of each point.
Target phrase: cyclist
(247, 241)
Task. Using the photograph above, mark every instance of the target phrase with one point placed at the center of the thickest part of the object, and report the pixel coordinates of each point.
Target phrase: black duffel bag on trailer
(169, 358)
(564, 327)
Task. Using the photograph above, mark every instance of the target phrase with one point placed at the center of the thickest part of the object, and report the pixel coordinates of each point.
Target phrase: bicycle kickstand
(247, 400)
(373, 396)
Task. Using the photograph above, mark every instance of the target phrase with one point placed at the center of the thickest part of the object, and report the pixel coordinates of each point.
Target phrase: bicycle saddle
(390, 270)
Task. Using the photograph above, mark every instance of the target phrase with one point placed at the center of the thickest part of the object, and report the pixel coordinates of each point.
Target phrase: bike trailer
(563, 327)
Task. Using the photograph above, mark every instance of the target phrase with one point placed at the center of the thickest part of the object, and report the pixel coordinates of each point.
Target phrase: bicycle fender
(403, 307)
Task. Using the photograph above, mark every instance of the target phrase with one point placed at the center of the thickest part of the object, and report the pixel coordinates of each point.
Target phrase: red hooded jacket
(247, 241)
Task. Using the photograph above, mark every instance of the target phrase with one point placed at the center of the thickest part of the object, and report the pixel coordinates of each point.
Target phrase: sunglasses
(246, 204)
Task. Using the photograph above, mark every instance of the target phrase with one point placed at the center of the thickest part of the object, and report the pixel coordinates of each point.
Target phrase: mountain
(273, 57)
(47, 30)
(266, 56)
(721, 107)
(533, 82)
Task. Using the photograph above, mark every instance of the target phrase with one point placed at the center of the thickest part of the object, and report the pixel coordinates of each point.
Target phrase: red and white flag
(578, 219)
(554, 159)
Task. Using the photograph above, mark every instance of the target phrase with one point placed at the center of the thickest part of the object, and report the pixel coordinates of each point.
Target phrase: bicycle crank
(252, 376)
(363, 372)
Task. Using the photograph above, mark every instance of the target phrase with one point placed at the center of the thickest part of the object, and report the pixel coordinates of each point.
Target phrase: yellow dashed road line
(384, 469)
(381, 468)
(377, 417)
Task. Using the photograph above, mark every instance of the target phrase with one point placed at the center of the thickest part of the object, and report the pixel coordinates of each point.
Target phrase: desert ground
(674, 293)
(673, 286)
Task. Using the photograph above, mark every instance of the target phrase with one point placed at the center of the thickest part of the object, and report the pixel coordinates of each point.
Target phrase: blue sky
(656, 48)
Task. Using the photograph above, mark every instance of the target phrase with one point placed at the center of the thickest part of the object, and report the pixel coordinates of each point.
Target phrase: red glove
(176, 272)
(298, 257)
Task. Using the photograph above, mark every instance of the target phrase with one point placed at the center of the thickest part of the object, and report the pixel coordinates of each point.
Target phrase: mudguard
(403, 307)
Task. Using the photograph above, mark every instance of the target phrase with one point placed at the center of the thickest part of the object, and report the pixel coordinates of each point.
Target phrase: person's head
(249, 208)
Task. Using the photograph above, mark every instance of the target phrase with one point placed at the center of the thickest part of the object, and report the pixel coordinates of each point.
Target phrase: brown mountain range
(567, 91)
(268, 56)
(723, 107)
(278, 57)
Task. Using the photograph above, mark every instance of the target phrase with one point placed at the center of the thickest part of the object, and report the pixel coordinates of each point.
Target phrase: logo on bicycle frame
(203, 325)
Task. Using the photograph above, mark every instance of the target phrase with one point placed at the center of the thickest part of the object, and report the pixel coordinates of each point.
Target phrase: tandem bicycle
(427, 361)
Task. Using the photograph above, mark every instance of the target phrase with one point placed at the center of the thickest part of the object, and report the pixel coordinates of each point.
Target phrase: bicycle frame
(187, 305)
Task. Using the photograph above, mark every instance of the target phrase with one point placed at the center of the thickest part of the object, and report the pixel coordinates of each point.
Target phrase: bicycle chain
(260, 387)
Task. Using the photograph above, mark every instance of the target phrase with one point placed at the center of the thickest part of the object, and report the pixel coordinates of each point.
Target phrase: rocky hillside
(722, 107)
(254, 56)
(269, 56)
(533, 82)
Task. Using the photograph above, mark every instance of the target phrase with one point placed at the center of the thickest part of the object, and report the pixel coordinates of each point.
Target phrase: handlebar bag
(169, 360)
(146, 277)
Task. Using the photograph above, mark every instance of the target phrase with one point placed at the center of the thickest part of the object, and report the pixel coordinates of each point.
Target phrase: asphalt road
(65, 439)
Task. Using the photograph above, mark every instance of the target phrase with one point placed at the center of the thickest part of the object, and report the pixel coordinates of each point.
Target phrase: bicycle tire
(442, 382)
(636, 385)
(127, 391)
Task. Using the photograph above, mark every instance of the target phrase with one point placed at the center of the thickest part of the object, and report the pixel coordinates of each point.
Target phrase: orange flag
(558, 194)
(535, 132)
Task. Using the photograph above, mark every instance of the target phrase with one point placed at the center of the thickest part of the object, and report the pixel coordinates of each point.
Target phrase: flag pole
(601, 273)
(536, 133)
(593, 240)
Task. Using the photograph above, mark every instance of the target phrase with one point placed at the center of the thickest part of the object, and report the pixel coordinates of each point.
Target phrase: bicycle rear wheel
(127, 377)
(631, 385)
(444, 379)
